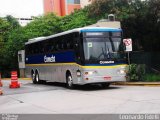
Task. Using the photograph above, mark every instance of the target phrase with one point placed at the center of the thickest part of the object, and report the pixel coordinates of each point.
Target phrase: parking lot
(54, 98)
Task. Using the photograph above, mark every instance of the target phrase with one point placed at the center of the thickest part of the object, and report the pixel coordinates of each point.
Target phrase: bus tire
(37, 78)
(33, 77)
(105, 85)
(69, 81)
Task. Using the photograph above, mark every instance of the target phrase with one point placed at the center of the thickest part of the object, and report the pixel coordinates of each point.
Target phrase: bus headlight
(122, 71)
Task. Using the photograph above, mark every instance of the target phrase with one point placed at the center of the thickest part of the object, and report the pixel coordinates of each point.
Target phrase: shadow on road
(28, 87)
(91, 87)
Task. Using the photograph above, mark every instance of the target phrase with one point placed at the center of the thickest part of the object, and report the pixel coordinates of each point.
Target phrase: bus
(88, 55)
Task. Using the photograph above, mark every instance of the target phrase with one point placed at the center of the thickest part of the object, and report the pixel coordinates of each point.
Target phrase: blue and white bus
(79, 56)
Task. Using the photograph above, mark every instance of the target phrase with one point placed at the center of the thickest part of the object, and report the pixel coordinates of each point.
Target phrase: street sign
(128, 44)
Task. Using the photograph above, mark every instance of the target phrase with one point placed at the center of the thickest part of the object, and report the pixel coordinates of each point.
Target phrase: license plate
(107, 78)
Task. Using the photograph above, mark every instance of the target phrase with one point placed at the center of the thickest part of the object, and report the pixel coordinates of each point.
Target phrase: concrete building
(61, 7)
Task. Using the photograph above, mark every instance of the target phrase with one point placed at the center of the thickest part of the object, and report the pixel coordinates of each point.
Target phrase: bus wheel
(105, 85)
(37, 78)
(69, 82)
(33, 77)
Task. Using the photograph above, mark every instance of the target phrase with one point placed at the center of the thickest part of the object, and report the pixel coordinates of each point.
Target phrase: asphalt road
(54, 98)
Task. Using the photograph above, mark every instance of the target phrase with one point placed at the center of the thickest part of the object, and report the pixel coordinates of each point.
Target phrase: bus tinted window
(69, 41)
(64, 44)
(48, 46)
(51, 45)
(116, 34)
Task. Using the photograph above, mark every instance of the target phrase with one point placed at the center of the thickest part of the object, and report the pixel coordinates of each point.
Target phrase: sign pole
(129, 59)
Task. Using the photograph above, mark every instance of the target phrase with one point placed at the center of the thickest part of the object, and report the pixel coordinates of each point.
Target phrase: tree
(77, 19)
(6, 26)
(43, 26)
(12, 21)
(17, 36)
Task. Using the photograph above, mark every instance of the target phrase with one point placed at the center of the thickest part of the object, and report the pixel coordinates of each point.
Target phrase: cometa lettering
(49, 59)
(106, 62)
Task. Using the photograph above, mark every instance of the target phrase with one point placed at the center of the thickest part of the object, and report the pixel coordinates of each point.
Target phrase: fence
(150, 59)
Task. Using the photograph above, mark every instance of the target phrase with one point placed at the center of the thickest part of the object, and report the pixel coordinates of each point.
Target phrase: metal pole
(128, 58)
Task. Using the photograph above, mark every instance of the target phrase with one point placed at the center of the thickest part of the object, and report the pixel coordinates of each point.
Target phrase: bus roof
(83, 29)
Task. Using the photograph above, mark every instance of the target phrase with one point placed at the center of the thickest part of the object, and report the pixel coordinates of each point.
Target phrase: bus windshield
(96, 49)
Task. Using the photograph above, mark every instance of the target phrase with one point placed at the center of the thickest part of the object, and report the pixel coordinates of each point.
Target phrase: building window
(73, 1)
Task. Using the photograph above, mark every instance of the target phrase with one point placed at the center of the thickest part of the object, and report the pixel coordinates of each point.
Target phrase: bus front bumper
(101, 79)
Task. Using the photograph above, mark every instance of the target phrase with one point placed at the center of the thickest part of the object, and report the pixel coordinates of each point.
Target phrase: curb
(138, 83)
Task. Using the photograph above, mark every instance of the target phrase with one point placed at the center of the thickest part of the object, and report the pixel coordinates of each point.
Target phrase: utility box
(21, 61)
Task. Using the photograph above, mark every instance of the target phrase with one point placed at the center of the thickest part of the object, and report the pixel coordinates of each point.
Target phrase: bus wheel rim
(37, 79)
(70, 81)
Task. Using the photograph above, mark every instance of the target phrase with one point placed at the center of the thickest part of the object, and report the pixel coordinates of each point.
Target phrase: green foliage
(140, 20)
(43, 26)
(152, 78)
(123, 9)
(77, 19)
(17, 36)
(7, 25)
(136, 72)
(4, 28)
(12, 21)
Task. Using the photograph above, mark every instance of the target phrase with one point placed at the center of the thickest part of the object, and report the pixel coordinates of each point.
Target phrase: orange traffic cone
(1, 84)
(1, 92)
(14, 80)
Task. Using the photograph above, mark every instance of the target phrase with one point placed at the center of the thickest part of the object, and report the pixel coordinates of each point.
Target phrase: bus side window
(48, 46)
(72, 41)
(36, 48)
(64, 45)
(69, 40)
(27, 50)
(71, 45)
(40, 47)
(43, 47)
(32, 49)
(52, 46)
(56, 45)
(59, 45)
(68, 45)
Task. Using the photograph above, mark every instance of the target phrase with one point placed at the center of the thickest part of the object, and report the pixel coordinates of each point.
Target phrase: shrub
(136, 72)
(152, 77)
